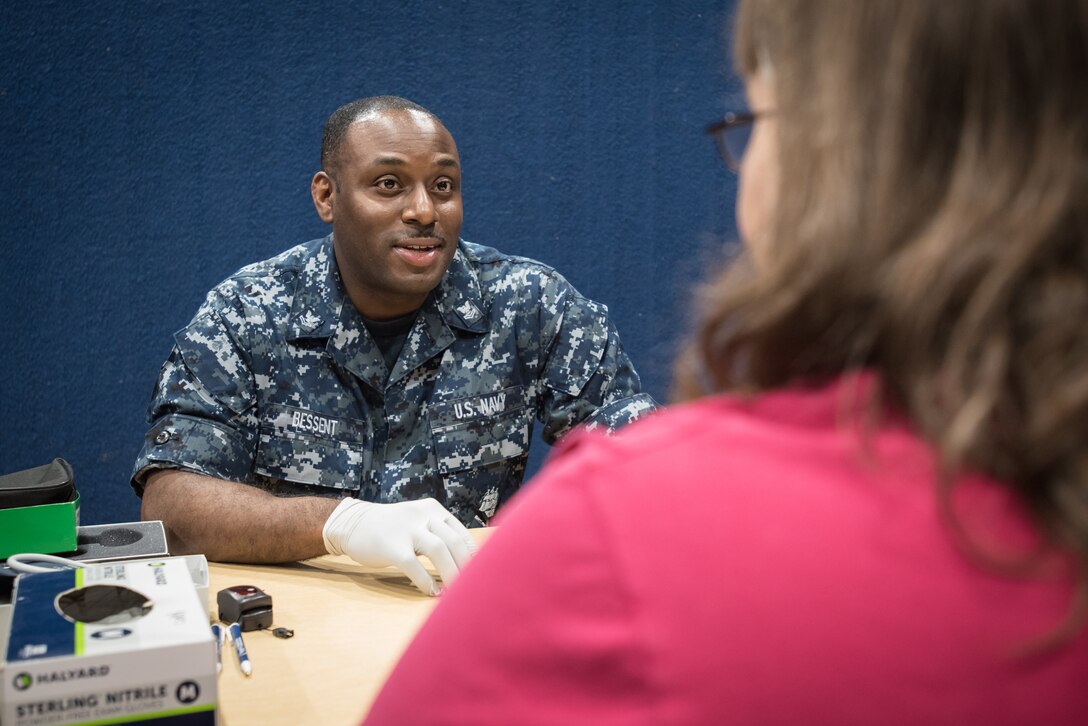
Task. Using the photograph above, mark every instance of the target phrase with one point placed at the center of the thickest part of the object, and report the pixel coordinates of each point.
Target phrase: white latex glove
(383, 535)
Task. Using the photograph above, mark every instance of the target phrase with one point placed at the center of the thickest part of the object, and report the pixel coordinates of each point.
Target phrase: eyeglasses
(731, 136)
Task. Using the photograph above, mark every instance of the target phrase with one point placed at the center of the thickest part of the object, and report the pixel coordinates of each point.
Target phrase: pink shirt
(732, 562)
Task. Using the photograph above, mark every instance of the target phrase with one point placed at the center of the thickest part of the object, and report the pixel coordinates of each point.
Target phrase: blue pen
(240, 648)
(218, 647)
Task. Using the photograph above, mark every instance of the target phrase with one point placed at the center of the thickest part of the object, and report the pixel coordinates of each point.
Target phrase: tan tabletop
(351, 624)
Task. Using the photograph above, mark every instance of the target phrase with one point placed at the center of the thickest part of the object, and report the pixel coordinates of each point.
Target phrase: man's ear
(321, 189)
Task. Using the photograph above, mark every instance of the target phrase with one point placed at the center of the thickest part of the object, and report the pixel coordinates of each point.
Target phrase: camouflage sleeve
(201, 410)
(587, 377)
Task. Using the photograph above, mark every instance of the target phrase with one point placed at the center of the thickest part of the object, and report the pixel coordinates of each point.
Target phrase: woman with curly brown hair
(873, 507)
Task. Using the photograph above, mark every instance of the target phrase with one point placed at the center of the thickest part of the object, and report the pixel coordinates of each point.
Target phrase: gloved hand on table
(382, 535)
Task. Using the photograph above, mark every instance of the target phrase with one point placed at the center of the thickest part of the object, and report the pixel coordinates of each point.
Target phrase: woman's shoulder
(843, 414)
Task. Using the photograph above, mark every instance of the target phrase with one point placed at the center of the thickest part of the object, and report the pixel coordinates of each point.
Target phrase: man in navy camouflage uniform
(390, 366)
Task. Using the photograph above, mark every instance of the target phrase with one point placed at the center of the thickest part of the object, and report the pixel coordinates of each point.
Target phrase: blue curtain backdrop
(150, 149)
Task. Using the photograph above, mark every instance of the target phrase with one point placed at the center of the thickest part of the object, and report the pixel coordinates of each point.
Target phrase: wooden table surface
(351, 625)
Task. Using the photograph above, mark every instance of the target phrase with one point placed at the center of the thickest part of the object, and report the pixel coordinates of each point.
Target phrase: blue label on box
(38, 630)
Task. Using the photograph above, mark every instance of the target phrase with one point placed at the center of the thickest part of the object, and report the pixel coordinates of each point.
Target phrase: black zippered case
(47, 484)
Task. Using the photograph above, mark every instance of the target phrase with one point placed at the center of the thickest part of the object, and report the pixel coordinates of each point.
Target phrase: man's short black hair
(337, 125)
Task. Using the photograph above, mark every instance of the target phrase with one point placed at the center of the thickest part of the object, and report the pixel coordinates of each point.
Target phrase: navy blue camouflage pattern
(277, 383)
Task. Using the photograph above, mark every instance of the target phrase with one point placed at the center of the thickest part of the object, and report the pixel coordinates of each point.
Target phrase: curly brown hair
(932, 225)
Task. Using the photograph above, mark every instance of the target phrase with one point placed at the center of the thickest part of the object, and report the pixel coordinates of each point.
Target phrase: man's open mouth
(419, 253)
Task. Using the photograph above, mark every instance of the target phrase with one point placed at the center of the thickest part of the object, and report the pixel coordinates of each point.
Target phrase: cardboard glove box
(110, 643)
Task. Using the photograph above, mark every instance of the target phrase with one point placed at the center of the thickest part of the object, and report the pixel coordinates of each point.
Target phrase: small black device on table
(249, 606)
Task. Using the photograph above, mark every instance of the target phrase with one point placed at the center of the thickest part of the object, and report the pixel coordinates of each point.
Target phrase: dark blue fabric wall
(150, 149)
